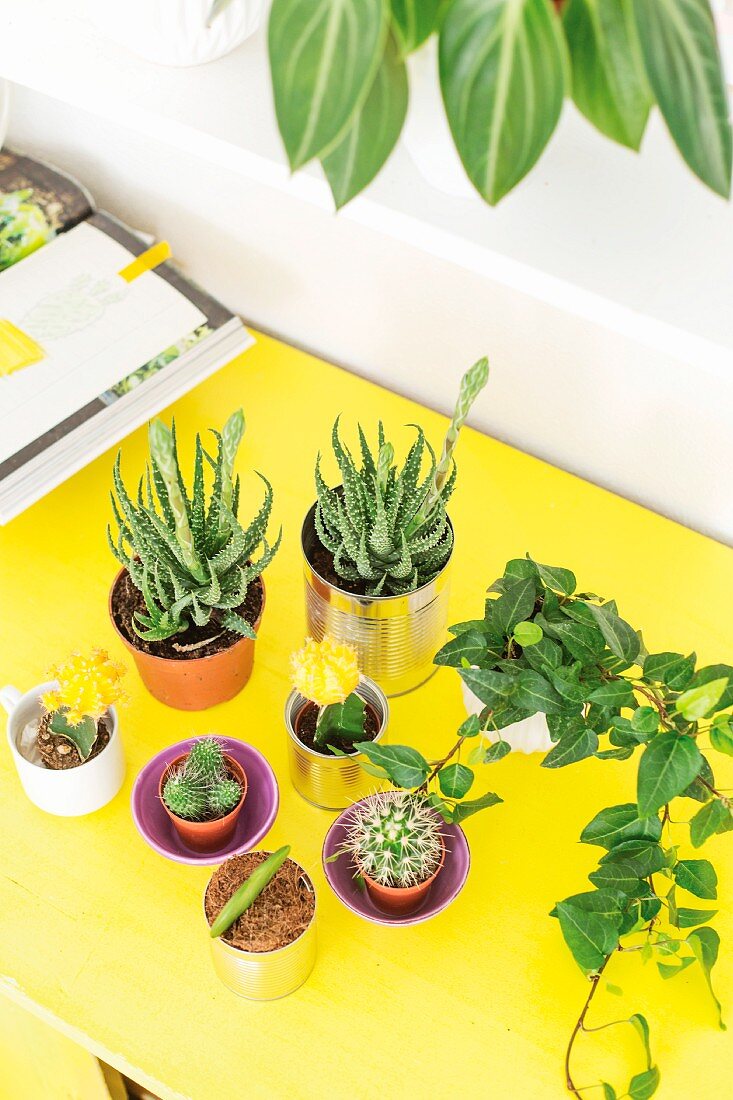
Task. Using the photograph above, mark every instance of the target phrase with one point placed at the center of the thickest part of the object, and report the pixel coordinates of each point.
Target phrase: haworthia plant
(188, 553)
(505, 68)
(388, 529)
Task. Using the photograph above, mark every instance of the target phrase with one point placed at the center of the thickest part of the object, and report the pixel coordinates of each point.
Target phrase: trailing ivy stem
(441, 764)
(580, 1026)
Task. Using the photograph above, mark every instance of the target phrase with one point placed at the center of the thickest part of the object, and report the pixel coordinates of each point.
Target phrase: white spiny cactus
(395, 838)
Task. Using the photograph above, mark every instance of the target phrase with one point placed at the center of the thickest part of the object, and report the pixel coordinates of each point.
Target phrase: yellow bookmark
(17, 349)
(149, 259)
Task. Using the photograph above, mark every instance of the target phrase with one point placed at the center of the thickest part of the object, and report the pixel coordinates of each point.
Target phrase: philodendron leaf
(705, 943)
(527, 634)
(576, 744)
(590, 936)
(621, 639)
(372, 133)
(684, 69)
(697, 702)
(455, 780)
(609, 84)
(324, 55)
(668, 764)
(462, 810)
(698, 877)
(618, 824)
(502, 73)
(414, 21)
(405, 766)
(82, 736)
(713, 816)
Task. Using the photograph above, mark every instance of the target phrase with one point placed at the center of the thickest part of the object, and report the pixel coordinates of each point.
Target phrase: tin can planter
(331, 782)
(395, 637)
(192, 683)
(266, 975)
(206, 836)
(72, 792)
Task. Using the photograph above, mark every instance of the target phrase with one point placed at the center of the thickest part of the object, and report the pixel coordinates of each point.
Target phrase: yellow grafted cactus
(325, 672)
(88, 686)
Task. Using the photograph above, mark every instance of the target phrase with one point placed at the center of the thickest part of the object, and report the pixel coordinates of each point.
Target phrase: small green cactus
(184, 796)
(395, 838)
(201, 789)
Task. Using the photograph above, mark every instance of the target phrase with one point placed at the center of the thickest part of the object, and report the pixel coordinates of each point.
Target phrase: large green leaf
(576, 744)
(643, 1085)
(414, 21)
(455, 780)
(668, 764)
(534, 693)
(698, 877)
(684, 69)
(702, 699)
(590, 936)
(502, 74)
(609, 84)
(713, 817)
(465, 809)
(621, 639)
(515, 605)
(324, 55)
(705, 943)
(672, 669)
(372, 133)
(644, 856)
(470, 646)
(404, 765)
(618, 824)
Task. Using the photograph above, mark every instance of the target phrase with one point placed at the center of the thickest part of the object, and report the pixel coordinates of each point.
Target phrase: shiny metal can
(395, 637)
(266, 975)
(332, 782)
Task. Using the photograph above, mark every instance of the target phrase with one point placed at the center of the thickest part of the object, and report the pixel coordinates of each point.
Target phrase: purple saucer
(256, 817)
(346, 887)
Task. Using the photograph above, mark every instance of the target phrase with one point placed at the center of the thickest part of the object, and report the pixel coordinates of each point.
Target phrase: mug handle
(9, 698)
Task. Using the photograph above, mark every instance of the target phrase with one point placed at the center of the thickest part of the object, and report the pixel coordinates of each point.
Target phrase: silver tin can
(266, 975)
(331, 782)
(395, 637)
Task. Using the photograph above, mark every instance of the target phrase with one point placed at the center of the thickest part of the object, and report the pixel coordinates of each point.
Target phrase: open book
(97, 335)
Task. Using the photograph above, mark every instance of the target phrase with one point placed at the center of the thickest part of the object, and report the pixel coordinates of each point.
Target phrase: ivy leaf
(576, 744)
(721, 735)
(496, 752)
(559, 580)
(644, 856)
(621, 639)
(455, 780)
(514, 605)
(462, 810)
(609, 1092)
(414, 21)
(688, 918)
(683, 66)
(698, 877)
(708, 820)
(488, 685)
(667, 970)
(671, 669)
(372, 133)
(716, 672)
(644, 1085)
(645, 720)
(697, 702)
(609, 84)
(705, 943)
(617, 876)
(527, 634)
(590, 936)
(471, 727)
(697, 788)
(582, 642)
(668, 765)
(405, 766)
(618, 824)
(535, 693)
(610, 903)
(502, 74)
(615, 694)
(470, 646)
(316, 91)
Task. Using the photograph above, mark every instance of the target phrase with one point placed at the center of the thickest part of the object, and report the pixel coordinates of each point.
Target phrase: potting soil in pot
(51, 750)
(197, 641)
(305, 729)
(280, 914)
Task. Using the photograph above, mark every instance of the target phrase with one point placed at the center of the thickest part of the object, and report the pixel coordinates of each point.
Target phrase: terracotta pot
(194, 683)
(206, 836)
(400, 901)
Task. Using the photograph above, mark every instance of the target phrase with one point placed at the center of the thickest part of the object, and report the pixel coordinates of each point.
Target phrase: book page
(86, 326)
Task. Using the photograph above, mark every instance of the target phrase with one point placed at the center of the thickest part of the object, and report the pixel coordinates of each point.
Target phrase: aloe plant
(387, 528)
(200, 787)
(187, 552)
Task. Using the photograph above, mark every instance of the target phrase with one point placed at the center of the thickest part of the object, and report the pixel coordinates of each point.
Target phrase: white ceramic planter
(4, 109)
(529, 735)
(174, 32)
(69, 793)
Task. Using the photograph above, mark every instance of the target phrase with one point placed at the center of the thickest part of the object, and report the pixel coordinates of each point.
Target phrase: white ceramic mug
(74, 791)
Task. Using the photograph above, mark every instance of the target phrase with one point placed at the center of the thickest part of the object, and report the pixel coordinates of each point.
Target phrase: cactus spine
(395, 838)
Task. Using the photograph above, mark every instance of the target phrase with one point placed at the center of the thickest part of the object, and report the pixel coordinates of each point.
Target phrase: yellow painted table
(105, 939)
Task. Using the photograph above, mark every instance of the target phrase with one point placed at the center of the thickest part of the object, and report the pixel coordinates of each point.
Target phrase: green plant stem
(441, 764)
(580, 1026)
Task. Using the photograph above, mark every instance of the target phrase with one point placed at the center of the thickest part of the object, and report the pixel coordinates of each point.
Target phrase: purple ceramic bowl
(255, 819)
(341, 876)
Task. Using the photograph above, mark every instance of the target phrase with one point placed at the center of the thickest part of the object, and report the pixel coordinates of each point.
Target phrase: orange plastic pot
(193, 683)
(206, 836)
(401, 901)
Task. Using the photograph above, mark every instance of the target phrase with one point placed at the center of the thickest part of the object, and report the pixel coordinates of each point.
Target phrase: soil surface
(280, 914)
(58, 753)
(305, 729)
(322, 561)
(197, 641)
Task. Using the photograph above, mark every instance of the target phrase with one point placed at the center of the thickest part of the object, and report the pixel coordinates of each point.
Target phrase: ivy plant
(341, 91)
(543, 647)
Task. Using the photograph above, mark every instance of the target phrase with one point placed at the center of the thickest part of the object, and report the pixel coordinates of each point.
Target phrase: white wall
(655, 426)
